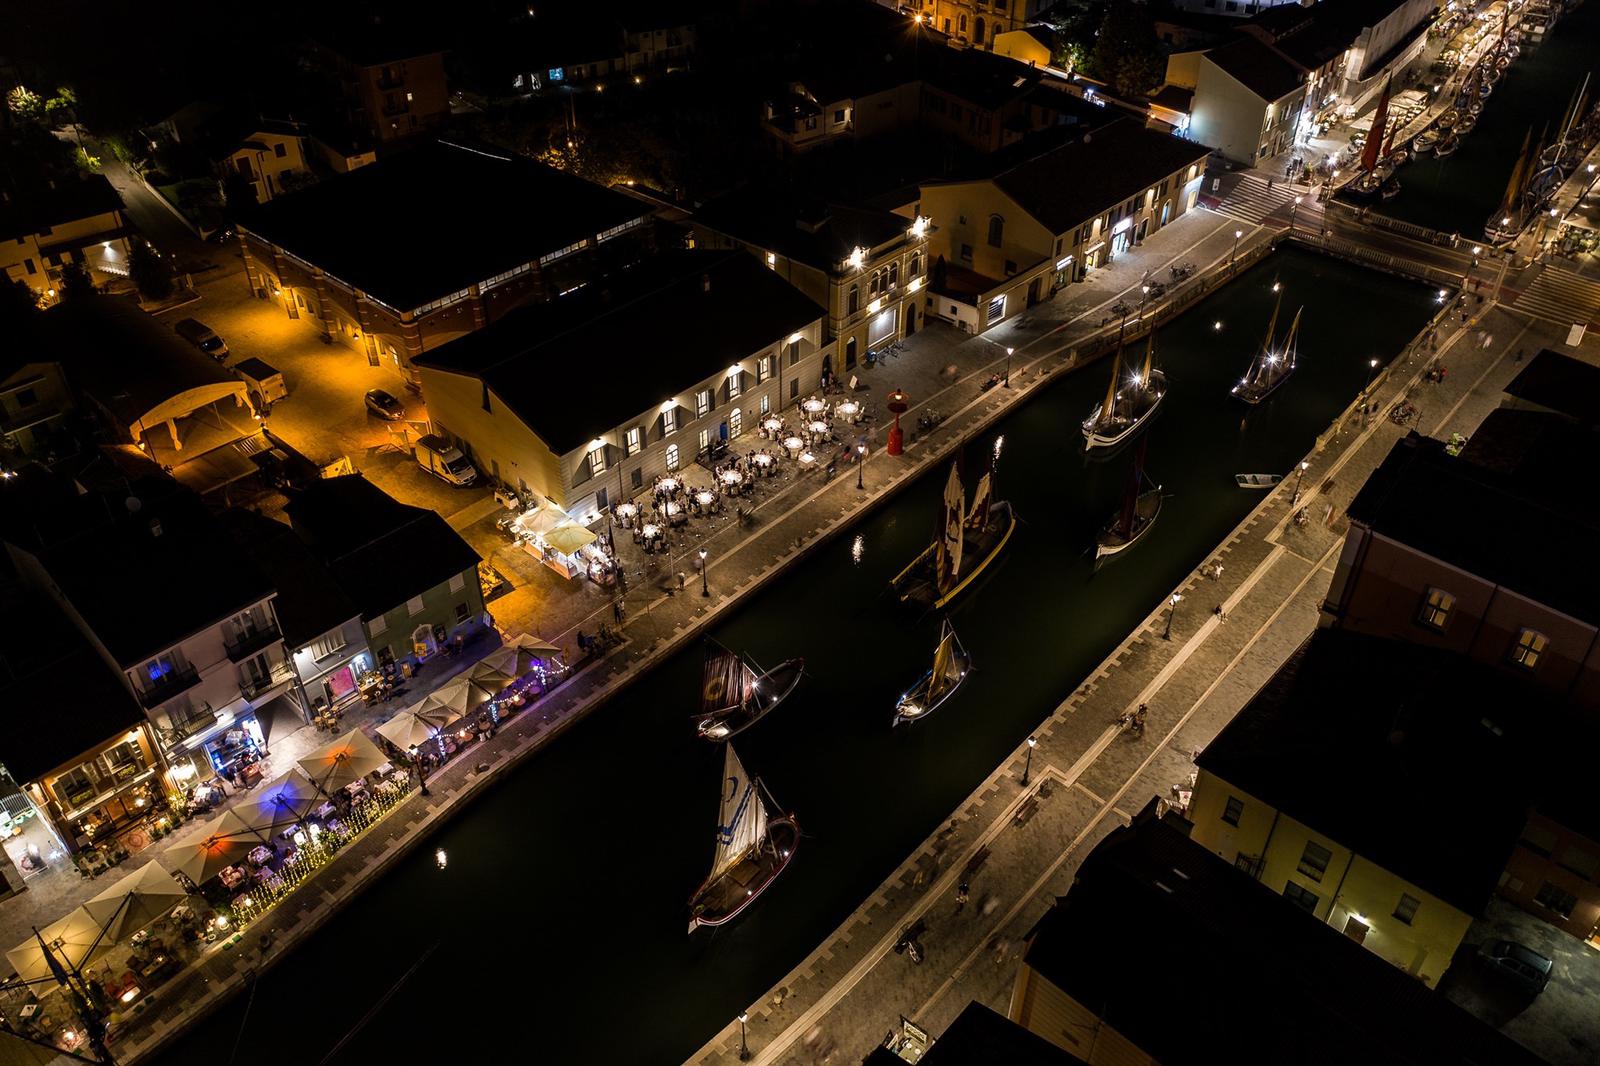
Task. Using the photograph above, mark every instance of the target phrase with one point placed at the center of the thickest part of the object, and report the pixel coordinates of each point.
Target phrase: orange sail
(1380, 122)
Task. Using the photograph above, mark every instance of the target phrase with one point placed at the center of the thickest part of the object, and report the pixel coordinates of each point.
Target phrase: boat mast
(1109, 407)
(1149, 355)
(1266, 345)
(1289, 341)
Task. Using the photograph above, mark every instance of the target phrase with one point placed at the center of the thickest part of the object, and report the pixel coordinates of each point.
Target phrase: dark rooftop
(737, 305)
(1471, 515)
(28, 210)
(310, 602)
(983, 1037)
(1411, 724)
(800, 228)
(120, 560)
(1257, 67)
(1077, 180)
(429, 222)
(381, 551)
(58, 698)
(1149, 906)
(368, 39)
(1560, 383)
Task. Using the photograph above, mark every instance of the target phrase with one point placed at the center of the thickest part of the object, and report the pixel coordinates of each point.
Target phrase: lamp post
(1144, 295)
(1008, 367)
(1372, 372)
(1172, 609)
(1235, 253)
(1293, 210)
(1027, 767)
(1299, 478)
(422, 776)
(744, 1048)
(705, 590)
(861, 466)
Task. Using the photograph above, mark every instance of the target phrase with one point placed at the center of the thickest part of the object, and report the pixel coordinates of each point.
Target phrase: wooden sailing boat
(734, 694)
(753, 848)
(1126, 409)
(950, 665)
(1136, 515)
(1507, 218)
(1270, 368)
(966, 543)
(1372, 177)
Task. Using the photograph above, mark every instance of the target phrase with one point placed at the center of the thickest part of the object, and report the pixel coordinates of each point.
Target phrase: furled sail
(947, 560)
(742, 819)
(727, 681)
(978, 515)
(945, 670)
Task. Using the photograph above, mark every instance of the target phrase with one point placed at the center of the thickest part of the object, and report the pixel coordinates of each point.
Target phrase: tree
(17, 301)
(150, 273)
(1126, 54)
(76, 282)
(26, 104)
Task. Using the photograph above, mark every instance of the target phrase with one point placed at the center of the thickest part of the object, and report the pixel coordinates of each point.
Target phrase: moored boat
(1127, 407)
(1136, 515)
(1448, 120)
(1390, 190)
(753, 848)
(1447, 146)
(1424, 141)
(950, 665)
(1272, 366)
(966, 543)
(734, 695)
(1468, 123)
(1257, 481)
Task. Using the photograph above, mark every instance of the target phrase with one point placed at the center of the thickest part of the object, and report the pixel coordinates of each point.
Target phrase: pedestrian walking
(1518, 359)
(961, 896)
(616, 610)
(1217, 610)
(680, 580)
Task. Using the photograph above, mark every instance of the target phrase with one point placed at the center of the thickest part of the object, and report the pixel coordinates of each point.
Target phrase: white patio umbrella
(459, 696)
(283, 802)
(135, 901)
(414, 727)
(225, 844)
(346, 760)
(74, 941)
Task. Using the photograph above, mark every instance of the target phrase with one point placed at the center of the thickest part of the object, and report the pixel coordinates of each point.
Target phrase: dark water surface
(558, 928)
(1457, 194)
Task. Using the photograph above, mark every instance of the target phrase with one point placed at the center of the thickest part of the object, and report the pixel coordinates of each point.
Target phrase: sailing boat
(1372, 176)
(965, 544)
(1126, 409)
(1270, 368)
(950, 665)
(1507, 218)
(734, 696)
(753, 848)
(1134, 517)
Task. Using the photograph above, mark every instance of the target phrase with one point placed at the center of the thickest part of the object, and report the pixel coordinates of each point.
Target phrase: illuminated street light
(1299, 476)
(1027, 767)
(744, 1048)
(1008, 367)
(705, 589)
(1232, 255)
(1172, 609)
(861, 466)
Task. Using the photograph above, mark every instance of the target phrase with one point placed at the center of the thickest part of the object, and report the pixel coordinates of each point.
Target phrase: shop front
(230, 749)
(565, 546)
(100, 799)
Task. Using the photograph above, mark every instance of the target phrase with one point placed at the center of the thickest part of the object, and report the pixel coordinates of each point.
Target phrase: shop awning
(346, 760)
(135, 901)
(226, 843)
(568, 539)
(75, 941)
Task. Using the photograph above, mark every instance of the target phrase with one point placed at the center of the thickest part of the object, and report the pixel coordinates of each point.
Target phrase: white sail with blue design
(742, 819)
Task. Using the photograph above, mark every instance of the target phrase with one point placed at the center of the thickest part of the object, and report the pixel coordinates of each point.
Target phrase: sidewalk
(741, 561)
(1017, 846)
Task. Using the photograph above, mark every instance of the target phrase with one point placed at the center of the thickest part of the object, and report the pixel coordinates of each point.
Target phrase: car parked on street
(202, 336)
(1521, 965)
(385, 406)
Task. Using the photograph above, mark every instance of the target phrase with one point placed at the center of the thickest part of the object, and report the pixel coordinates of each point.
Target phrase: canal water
(557, 930)
(1457, 194)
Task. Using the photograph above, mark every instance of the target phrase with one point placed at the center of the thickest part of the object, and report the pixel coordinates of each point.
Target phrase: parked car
(385, 406)
(202, 336)
(1521, 965)
(444, 460)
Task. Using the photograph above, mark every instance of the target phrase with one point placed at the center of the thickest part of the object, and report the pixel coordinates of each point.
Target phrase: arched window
(894, 274)
(916, 265)
(997, 229)
(977, 32)
(854, 303)
(963, 24)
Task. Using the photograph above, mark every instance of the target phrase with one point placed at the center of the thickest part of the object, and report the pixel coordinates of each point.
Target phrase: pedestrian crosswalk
(1252, 200)
(1560, 296)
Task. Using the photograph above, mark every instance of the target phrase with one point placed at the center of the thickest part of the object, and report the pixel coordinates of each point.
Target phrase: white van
(203, 337)
(444, 460)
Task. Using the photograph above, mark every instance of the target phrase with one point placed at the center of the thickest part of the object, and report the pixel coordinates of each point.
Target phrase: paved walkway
(1047, 339)
(1018, 845)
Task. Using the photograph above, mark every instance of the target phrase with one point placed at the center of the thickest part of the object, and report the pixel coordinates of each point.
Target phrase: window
(326, 645)
(1011, 267)
(1314, 860)
(1406, 909)
(378, 625)
(705, 441)
(280, 151)
(414, 605)
(735, 384)
(672, 457)
(997, 230)
(997, 309)
(457, 582)
(158, 668)
(1555, 898)
(597, 461)
(636, 479)
(838, 114)
(794, 390)
(853, 302)
(916, 265)
(632, 441)
(1250, 864)
(31, 268)
(669, 421)
(794, 352)
(1232, 811)
(1529, 647)
(763, 368)
(1306, 901)
(702, 403)
(894, 274)
(963, 23)
(966, 253)
(735, 423)
(461, 612)
(1436, 608)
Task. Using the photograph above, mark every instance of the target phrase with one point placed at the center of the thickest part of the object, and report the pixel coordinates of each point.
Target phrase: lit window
(457, 582)
(1436, 608)
(702, 403)
(1529, 648)
(1406, 909)
(1314, 860)
(414, 605)
(669, 421)
(766, 405)
(672, 457)
(1232, 811)
(735, 385)
(597, 460)
(997, 309)
(763, 368)
(632, 441)
(735, 423)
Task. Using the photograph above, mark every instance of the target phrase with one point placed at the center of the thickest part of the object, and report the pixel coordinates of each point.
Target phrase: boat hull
(913, 707)
(1257, 481)
(778, 683)
(1098, 435)
(721, 899)
(1255, 392)
(1146, 509)
(915, 583)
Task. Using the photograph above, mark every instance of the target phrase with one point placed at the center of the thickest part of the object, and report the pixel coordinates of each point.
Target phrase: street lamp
(705, 590)
(1234, 254)
(744, 1048)
(1292, 211)
(1299, 477)
(1372, 372)
(1172, 609)
(1144, 291)
(1008, 367)
(861, 466)
(422, 776)
(1027, 767)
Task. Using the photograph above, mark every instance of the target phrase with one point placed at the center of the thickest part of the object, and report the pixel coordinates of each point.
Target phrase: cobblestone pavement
(787, 525)
(1018, 845)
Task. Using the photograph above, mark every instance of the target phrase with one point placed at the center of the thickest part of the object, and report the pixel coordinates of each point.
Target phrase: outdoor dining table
(667, 484)
(259, 855)
(705, 498)
(772, 425)
(626, 513)
(818, 427)
(323, 811)
(794, 444)
(813, 406)
(731, 477)
(848, 409)
(763, 459)
(650, 531)
(231, 876)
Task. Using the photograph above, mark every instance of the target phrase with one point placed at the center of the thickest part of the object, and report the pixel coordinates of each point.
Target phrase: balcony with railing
(281, 673)
(175, 681)
(258, 636)
(187, 721)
